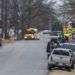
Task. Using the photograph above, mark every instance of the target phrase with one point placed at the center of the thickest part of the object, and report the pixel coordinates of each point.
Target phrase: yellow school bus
(31, 34)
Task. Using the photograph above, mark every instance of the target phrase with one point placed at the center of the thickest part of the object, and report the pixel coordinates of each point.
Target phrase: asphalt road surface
(26, 58)
(23, 58)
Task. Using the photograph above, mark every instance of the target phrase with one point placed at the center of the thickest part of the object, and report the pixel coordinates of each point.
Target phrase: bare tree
(4, 14)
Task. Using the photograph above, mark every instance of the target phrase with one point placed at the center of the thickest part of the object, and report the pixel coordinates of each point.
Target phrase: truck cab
(31, 34)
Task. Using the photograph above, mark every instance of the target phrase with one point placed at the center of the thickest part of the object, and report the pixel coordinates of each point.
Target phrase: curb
(7, 41)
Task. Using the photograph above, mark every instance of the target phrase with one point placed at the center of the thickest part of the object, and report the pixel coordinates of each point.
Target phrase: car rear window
(61, 52)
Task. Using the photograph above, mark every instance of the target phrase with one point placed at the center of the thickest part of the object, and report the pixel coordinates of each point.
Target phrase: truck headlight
(25, 37)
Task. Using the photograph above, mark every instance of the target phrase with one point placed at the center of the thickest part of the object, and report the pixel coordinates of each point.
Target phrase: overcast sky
(56, 7)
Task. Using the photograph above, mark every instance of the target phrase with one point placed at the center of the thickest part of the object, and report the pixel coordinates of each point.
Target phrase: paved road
(26, 58)
(23, 58)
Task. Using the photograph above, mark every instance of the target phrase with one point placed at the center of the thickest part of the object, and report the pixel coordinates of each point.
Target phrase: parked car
(61, 58)
(53, 43)
(46, 31)
(69, 46)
